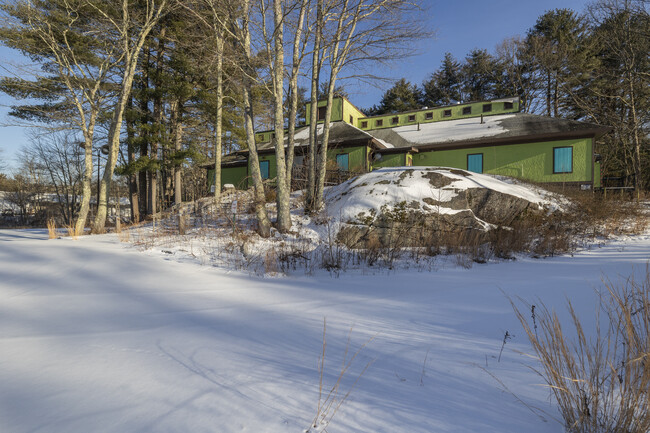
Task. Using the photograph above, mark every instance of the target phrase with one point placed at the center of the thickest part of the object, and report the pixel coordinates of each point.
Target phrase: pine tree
(403, 96)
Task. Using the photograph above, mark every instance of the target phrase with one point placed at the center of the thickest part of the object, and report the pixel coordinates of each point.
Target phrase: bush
(601, 382)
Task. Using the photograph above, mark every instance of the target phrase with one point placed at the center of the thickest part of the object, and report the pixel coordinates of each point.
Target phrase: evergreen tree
(479, 75)
(444, 86)
(403, 96)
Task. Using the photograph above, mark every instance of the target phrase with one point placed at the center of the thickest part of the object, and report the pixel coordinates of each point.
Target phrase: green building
(491, 137)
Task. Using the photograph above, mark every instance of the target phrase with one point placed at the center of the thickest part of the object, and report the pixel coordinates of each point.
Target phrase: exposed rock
(453, 207)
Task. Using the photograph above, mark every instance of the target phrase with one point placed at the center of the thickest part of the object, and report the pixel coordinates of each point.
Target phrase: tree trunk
(313, 108)
(218, 120)
(293, 91)
(283, 196)
(263, 223)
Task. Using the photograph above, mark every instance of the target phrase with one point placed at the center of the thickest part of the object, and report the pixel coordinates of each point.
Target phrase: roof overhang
(521, 139)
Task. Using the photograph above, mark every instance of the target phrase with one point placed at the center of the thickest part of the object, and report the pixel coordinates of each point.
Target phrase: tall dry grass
(51, 228)
(600, 378)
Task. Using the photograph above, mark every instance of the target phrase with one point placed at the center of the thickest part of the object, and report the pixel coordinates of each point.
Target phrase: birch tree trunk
(132, 46)
(283, 223)
(293, 89)
(219, 120)
(313, 110)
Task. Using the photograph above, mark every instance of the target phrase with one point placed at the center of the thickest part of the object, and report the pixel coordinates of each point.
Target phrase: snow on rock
(453, 200)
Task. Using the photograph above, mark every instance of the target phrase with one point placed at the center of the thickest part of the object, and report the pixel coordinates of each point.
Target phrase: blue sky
(460, 26)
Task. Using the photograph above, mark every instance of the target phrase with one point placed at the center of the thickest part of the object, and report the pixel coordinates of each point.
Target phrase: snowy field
(96, 336)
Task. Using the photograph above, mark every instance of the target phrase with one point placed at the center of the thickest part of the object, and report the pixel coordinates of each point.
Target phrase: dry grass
(330, 399)
(73, 232)
(51, 229)
(600, 380)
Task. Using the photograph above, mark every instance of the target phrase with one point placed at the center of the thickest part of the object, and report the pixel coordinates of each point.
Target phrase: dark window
(475, 162)
(379, 122)
(429, 116)
(487, 108)
(272, 135)
(562, 159)
(394, 120)
(446, 113)
(467, 110)
(260, 137)
(364, 124)
(411, 117)
(264, 169)
(508, 105)
(321, 113)
(342, 161)
(351, 120)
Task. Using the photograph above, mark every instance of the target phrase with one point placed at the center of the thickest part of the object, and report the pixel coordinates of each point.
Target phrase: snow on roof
(453, 130)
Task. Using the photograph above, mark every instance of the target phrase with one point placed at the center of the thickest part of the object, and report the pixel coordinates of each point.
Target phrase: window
(298, 160)
(379, 122)
(429, 116)
(364, 124)
(264, 169)
(446, 113)
(411, 117)
(508, 105)
(321, 113)
(562, 160)
(467, 110)
(351, 120)
(475, 162)
(342, 161)
(260, 137)
(272, 135)
(487, 108)
(394, 120)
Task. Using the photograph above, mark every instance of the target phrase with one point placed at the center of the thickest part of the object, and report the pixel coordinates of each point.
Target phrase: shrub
(601, 382)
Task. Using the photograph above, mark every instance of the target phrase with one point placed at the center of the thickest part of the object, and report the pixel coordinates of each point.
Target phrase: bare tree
(60, 159)
(359, 31)
(70, 46)
(131, 24)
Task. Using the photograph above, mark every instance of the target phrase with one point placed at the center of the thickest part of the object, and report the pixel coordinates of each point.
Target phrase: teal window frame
(563, 160)
(339, 161)
(472, 164)
(265, 169)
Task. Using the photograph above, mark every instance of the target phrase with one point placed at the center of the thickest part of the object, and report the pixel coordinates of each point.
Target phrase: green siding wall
(356, 155)
(234, 175)
(337, 110)
(532, 161)
(437, 115)
(390, 160)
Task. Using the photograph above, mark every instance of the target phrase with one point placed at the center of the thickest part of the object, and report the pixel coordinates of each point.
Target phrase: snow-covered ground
(96, 336)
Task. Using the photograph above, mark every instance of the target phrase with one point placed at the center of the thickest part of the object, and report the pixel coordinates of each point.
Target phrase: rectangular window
(429, 116)
(475, 162)
(394, 120)
(467, 110)
(487, 108)
(342, 162)
(264, 169)
(411, 117)
(351, 120)
(562, 160)
(260, 137)
(508, 105)
(364, 124)
(379, 122)
(321, 113)
(446, 113)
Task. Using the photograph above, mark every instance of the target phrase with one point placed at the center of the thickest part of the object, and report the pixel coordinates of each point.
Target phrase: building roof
(341, 133)
(505, 129)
